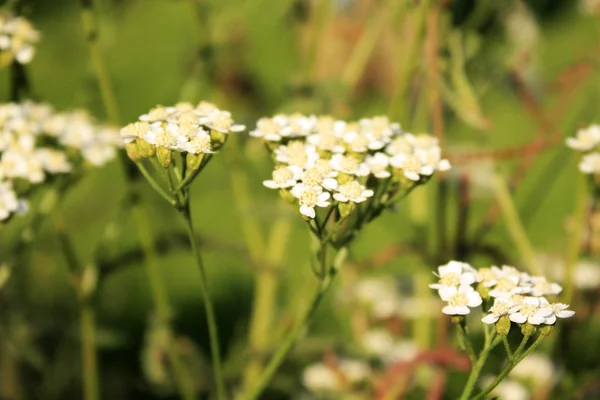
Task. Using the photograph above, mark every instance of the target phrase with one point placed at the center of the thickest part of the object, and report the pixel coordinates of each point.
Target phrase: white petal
(518, 318)
(490, 319)
(474, 299)
(308, 211)
(340, 197)
(565, 314)
(270, 184)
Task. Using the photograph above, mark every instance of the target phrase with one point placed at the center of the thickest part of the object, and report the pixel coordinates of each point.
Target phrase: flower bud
(458, 319)
(346, 208)
(503, 325)
(483, 292)
(217, 139)
(89, 281)
(527, 329)
(133, 151)
(344, 178)
(164, 156)
(546, 330)
(194, 161)
(146, 149)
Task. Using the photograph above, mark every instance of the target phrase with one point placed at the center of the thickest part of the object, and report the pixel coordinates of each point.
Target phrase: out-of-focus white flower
(17, 39)
(348, 164)
(460, 299)
(378, 164)
(501, 307)
(403, 350)
(541, 287)
(9, 203)
(380, 295)
(377, 342)
(586, 139)
(320, 378)
(536, 368)
(587, 275)
(354, 371)
(590, 163)
(508, 389)
(590, 7)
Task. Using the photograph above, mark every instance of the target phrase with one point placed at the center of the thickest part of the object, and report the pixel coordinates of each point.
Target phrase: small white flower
(460, 299)
(508, 389)
(541, 287)
(320, 378)
(536, 368)
(348, 164)
(354, 371)
(377, 342)
(557, 310)
(378, 164)
(353, 192)
(586, 139)
(284, 177)
(501, 307)
(310, 197)
(531, 310)
(9, 203)
(455, 273)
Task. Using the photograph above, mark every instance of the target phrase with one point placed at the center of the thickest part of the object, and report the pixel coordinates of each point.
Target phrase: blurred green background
(520, 74)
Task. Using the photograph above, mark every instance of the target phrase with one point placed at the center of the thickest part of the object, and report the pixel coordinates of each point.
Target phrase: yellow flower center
(282, 175)
(458, 300)
(450, 279)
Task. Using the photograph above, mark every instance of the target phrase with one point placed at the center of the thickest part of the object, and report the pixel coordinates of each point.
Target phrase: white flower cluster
(36, 141)
(17, 39)
(516, 294)
(586, 141)
(182, 128)
(318, 159)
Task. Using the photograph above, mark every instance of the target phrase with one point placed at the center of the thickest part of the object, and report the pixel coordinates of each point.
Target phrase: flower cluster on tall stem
(507, 296)
(178, 142)
(340, 175)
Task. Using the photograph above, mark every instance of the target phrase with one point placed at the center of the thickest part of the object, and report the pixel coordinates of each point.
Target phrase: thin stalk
(465, 342)
(299, 328)
(490, 343)
(155, 185)
(87, 324)
(514, 225)
(182, 377)
(509, 367)
(207, 301)
(575, 239)
(509, 352)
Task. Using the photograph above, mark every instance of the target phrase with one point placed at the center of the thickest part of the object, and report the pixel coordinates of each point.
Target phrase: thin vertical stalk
(183, 379)
(489, 345)
(575, 239)
(514, 225)
(213, 334)
(87, 324)
(299, 327)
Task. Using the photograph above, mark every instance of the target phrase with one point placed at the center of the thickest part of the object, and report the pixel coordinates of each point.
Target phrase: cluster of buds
(37, 143)
(586, 141)
(17, 40)
(323, 163)
(192, 132)
(515, 296)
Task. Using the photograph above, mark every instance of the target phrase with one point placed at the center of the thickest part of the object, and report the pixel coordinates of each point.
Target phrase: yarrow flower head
(17, 40)
(345, 168)
(37, 143)
(188, 136)
(517, 296)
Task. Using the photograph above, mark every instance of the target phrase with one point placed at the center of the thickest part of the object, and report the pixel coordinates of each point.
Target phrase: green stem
(490, 343)
(87, 323)
(208, 305)
(514, 224)
(181, 375)
(518, 357)
(155, 185)
(299, 328)
(465, 342)
(90, 28)
(574, 242)
(507, 348)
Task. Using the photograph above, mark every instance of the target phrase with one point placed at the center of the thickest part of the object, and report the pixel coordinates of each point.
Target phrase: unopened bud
(346, 208)
(146, 149)
(527, 329)
(503, 325)
(546, 330)
(164, 156)
(194, 161)
(287, 196)
(217, 139)
(133, 151)
(483, 292)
